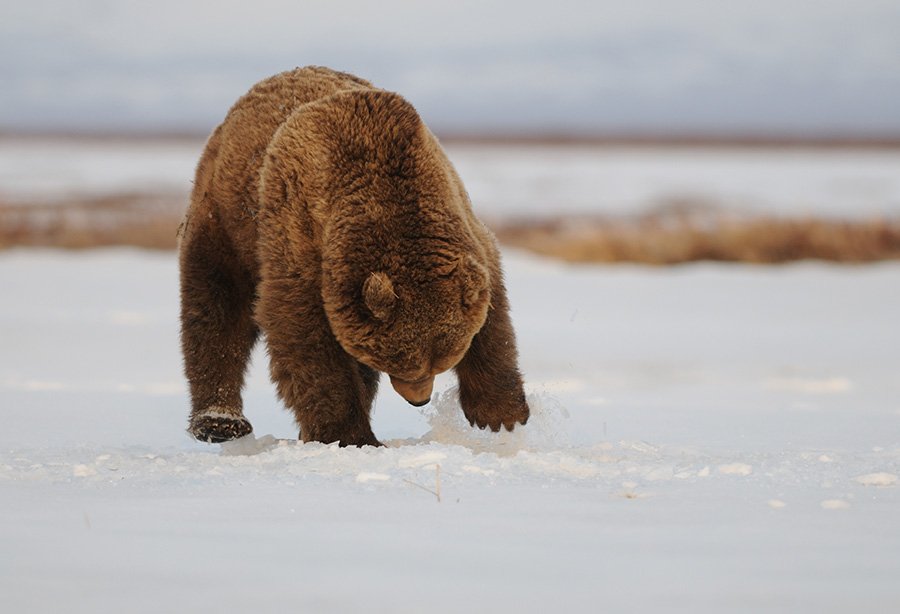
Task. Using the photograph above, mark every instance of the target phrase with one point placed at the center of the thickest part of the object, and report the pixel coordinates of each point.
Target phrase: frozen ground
(707, 438)
(517, 180)
(549, 180)
(48, 169)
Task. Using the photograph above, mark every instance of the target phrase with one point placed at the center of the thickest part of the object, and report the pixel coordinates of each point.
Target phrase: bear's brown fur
(326, 215)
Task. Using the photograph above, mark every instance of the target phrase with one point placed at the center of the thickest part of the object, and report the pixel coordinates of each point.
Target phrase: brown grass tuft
(142, 220)
(667, 237)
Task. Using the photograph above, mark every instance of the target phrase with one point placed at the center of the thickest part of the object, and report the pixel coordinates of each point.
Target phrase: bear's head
(410, 322)
(405, 284)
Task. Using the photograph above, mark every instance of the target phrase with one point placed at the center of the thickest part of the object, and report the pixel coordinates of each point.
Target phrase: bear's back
(228, 173)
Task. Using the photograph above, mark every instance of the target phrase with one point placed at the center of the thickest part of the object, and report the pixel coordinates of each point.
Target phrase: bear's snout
(417, 393)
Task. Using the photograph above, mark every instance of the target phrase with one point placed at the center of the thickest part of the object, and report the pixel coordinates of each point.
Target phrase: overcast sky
(767, 66)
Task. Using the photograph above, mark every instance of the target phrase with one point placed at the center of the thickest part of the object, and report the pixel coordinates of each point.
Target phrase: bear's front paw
(216, 426)
(488, 413)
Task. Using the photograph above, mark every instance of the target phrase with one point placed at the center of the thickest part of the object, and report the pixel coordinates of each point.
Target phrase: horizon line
(697, 138)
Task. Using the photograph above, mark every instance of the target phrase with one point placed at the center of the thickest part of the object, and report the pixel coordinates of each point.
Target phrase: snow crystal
(220, 412)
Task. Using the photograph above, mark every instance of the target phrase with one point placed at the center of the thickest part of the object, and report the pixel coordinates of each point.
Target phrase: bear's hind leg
(217, 333)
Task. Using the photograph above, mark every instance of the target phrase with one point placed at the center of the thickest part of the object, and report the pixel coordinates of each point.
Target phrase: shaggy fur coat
(326, 216)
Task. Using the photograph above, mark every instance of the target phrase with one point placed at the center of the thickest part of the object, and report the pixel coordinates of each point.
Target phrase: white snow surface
(52, 169)
(506, 180)
(704, 438)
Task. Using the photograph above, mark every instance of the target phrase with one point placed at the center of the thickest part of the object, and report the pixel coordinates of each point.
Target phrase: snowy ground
(516, 180)
(705, 438)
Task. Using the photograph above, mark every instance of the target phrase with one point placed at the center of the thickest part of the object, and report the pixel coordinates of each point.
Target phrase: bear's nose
(416, 393)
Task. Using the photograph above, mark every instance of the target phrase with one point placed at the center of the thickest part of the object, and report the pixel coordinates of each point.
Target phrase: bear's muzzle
(416, 393)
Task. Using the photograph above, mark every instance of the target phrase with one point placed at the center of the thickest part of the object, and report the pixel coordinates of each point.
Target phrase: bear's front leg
(328, 391)
(490, 385)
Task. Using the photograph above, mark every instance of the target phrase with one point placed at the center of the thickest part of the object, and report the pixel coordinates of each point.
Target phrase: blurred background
(772, 67)
(572, 108)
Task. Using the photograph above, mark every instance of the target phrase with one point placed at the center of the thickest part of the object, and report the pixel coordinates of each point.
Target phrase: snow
(546, 180)
(835, 504)
(877, 479)
(517, 180)
(51, 169)
(705, 438)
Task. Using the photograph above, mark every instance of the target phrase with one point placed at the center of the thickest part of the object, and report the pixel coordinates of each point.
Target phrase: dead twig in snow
(437, 484)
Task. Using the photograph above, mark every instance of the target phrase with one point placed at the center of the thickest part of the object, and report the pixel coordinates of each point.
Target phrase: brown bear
(326, 215)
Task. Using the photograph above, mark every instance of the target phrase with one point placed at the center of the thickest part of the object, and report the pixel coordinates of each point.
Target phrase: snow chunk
(736, 469)
(834, 504)
(421, 460)
(629, 491)
(83, 471)
(555, 463)
(249, 445)
(662, 472)
(478, 470)
(777, 504)
(546, 428)
(640, 446)
(877, 479)
(372, 477)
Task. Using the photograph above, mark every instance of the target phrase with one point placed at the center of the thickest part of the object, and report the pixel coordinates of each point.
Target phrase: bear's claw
(495, 416)
(218, 428)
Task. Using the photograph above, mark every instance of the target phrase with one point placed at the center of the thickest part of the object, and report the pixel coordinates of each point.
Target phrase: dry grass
(673, 234)
(142, 220)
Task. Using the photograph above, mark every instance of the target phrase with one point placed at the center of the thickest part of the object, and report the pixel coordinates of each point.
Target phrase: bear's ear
(379, 295)
(475, 282)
